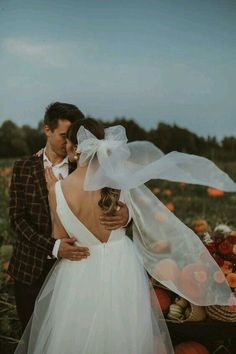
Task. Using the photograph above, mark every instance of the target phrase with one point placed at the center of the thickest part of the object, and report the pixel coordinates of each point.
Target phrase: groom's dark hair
(63, 111)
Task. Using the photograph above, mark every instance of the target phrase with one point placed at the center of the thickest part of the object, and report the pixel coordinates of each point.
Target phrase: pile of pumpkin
(177, 309)
(180, 310)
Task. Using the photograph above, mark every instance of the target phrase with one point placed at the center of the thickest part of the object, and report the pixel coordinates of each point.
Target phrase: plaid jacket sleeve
(18, 214)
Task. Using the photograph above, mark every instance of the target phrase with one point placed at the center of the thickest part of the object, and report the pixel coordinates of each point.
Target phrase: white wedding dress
(100, 305)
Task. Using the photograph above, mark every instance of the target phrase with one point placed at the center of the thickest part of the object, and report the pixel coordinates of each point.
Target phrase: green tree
(12, 139)
(133, 130)
(34, 138)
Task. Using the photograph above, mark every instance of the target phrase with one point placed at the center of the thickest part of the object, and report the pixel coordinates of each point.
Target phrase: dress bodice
(74, 227)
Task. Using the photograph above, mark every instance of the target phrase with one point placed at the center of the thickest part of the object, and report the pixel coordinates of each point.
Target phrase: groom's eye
(63, 135)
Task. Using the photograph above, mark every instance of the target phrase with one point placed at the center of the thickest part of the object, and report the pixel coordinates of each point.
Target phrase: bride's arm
(58, 230)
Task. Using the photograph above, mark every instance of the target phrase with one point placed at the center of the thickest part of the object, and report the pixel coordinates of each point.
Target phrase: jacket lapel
(40, 181)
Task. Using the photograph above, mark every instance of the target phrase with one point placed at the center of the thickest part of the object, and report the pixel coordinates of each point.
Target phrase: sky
(171, 61)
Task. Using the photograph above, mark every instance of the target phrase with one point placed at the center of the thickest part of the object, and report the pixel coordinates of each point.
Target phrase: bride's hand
(50, 178)
(39, 153)
(120, 219)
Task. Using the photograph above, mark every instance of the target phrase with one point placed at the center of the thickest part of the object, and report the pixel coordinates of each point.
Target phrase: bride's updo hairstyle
(109, 196)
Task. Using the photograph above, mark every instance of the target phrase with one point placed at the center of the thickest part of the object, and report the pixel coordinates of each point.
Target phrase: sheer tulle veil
(171, 252)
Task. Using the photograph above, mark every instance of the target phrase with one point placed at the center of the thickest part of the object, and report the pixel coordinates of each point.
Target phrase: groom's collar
(46, 160)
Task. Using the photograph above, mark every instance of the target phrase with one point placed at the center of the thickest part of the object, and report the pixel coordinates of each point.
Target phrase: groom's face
(57, 138)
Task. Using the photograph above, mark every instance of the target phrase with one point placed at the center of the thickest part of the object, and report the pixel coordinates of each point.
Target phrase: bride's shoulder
(70, 183)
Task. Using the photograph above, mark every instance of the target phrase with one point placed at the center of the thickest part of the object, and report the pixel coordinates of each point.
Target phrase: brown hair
(109, 196)
(63, 111)
(109, 199)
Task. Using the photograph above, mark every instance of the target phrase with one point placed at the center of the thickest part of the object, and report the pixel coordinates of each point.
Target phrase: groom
(35, 249)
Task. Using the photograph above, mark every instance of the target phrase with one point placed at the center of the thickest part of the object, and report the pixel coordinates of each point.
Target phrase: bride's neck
(81, 170)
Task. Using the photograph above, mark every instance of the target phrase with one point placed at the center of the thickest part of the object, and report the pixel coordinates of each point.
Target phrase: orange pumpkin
(163, 297)
(161, 217)
(191, 348)
(156, 190)
(167, 269)
(170, 206)
(188, 277)
(200, 225)
(161, 246)
(231, 279)
(167, 192)
(213, 192)
(219, 277)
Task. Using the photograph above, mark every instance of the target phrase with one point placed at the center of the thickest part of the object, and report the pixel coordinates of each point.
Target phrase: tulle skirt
(100, 305)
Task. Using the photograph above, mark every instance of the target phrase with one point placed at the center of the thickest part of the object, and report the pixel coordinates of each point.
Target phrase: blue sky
(150, 60)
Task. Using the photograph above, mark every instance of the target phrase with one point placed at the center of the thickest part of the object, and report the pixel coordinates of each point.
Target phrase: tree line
(18, 141)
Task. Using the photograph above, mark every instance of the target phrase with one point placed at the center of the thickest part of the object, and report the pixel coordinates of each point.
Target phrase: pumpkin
(213, 192)
(188, 277)
(170, 206)
(219, 277)
(160, 217)
(191, 348)
(181, 302)
(167, 269)
(200, 225)
(156, 190)
(175, 312)
(231, 279)
(163, 297)
(167, 192)
(161, 246)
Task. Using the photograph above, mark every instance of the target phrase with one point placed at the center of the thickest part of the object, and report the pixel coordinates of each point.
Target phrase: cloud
(49, 54)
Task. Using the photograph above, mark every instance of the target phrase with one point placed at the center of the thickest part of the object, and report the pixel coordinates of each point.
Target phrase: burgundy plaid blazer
(30, 219)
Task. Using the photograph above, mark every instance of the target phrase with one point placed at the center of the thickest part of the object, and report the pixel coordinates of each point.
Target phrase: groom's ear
(47, 130)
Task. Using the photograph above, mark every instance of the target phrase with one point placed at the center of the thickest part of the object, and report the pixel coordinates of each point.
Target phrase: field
(188, 202)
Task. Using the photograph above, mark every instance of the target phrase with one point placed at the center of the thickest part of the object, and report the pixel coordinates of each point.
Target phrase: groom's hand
(120, 219)
(72, 252)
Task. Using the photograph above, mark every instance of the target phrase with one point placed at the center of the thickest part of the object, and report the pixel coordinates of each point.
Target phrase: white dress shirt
(60, 170)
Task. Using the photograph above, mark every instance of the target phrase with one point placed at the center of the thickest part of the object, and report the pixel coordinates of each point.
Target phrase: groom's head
(57, 119)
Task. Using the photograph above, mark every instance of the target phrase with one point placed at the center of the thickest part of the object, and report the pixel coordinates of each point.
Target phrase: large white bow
(88, 145)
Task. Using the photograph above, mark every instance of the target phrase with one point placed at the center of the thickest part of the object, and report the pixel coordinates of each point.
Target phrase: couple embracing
(81, 284)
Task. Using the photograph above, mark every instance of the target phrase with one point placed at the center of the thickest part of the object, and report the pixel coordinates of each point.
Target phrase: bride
(101, 305)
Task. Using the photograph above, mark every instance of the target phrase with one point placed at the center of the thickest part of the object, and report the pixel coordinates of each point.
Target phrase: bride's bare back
(83, 204)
